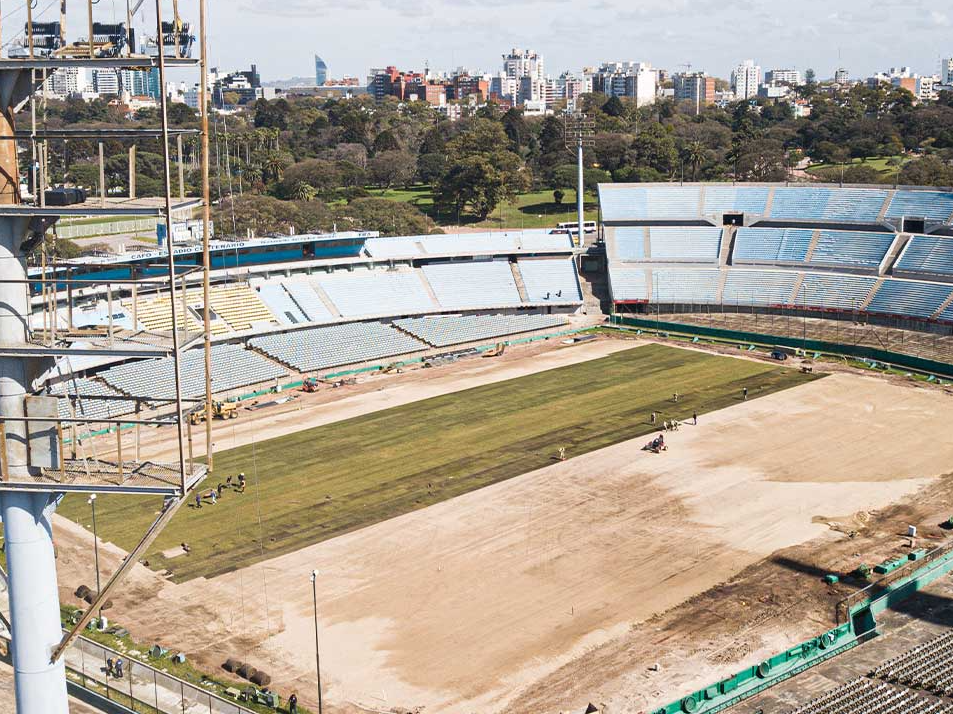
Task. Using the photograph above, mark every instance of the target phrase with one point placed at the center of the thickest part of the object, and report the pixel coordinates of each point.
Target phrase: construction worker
(654, 417)
(241, 482)
(293, 703)
(744, 394)
(675, 397)
(119, 664)
(694, 418)
(198, 499)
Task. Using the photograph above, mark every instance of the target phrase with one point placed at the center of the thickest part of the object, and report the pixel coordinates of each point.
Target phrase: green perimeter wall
(916, 363)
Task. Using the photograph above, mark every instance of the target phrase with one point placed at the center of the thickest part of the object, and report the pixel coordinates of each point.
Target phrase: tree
(392, 167)
(481, 182)
(386, 141)
(516, 130)
(391, 218)
(558, 196)
(430, 167)
(180, 114)
(614, 107)
(927, 171)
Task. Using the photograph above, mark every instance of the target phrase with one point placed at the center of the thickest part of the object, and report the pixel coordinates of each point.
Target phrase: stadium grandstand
(823, 262)
(283, 307)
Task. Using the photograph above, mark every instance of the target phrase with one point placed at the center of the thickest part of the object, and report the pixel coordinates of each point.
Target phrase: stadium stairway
(870, 296)
(797, 288)
(518, 277)
(325, 298)
(812, 247)
(433, 296)
(727, 245)
(596, 297)
(899, 243)
(943, 307)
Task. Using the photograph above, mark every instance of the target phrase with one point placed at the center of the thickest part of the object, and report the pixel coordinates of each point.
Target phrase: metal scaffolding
(43, 454)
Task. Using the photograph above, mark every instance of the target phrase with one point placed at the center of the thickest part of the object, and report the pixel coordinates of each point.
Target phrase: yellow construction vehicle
(220, 410)
(496, 351)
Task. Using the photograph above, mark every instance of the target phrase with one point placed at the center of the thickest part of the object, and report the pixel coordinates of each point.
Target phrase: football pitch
(316, 484)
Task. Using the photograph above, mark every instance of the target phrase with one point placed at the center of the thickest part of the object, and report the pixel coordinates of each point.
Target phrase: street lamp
(92, 503)
(317, 651)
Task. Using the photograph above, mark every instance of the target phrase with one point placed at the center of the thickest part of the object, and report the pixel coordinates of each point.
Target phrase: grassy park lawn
(530, 210)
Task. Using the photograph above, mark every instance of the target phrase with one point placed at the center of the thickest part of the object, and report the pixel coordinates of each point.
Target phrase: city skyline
(711, 36)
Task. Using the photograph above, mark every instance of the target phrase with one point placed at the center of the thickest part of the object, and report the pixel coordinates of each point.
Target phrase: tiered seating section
(927, 256)
(471, 284)
(322, 347)
(444, 331)
(928, 666)
(830, 204)
(759, 287)
(377, 292)
(816, 261)
(850, 250)
(233, 366)
(910, 298)
(90, 408)
(236, 308)
(550, 280)
(865, 696)
(682, 244)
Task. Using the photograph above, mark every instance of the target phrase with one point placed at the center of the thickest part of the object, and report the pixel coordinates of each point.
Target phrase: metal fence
(93, 230)
(141, 688)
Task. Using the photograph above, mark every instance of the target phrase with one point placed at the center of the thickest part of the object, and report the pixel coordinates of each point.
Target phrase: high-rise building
(790, 77)
(946, 71)
(320, 71)
(695, 87)
(745, 79)
(526, 67)
(841, 76)
(627, 79)
(106, 81)
(68, 82)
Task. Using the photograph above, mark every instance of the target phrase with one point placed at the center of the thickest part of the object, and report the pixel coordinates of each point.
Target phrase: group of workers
(213, 494)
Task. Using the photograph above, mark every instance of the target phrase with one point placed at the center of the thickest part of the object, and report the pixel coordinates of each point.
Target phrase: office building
(320, 72)
(526, 67)
(637, 80)
(842, 76)
(946, 71)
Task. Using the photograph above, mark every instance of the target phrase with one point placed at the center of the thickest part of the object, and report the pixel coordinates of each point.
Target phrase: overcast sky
(282, 36)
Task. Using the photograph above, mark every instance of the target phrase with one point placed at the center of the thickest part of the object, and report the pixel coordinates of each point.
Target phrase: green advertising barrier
(895, 358)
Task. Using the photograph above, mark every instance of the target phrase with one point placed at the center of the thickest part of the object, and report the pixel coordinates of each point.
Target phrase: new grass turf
(320, 483)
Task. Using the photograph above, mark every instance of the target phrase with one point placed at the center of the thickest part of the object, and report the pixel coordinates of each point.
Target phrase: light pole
(317, 650)
(92, 503)
(578, 135)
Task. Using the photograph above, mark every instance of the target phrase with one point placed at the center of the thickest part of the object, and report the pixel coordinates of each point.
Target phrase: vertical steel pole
(580, 198)
(206, 234)
(317, 649)
(167, 179)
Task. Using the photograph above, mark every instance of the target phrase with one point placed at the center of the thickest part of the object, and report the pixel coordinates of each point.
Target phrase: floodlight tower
(578, 130)
(36, 469)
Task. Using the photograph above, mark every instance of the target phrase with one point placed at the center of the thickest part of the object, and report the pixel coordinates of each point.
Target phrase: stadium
(452, 430)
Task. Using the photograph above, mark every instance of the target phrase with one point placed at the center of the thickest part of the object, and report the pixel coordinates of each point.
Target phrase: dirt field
(559, 587)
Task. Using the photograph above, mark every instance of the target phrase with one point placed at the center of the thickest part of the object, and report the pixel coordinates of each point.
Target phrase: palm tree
(274, 165)
(303, 192)
(695, 153)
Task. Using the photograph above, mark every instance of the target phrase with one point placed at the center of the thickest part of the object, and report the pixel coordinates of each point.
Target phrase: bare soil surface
(563, 586)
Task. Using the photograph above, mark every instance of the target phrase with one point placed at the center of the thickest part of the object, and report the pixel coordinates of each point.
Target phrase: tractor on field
(496, 351)
(310, 385)
(220, 410)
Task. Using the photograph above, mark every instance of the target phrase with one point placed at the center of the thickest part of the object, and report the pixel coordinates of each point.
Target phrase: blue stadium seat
(927, 255)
